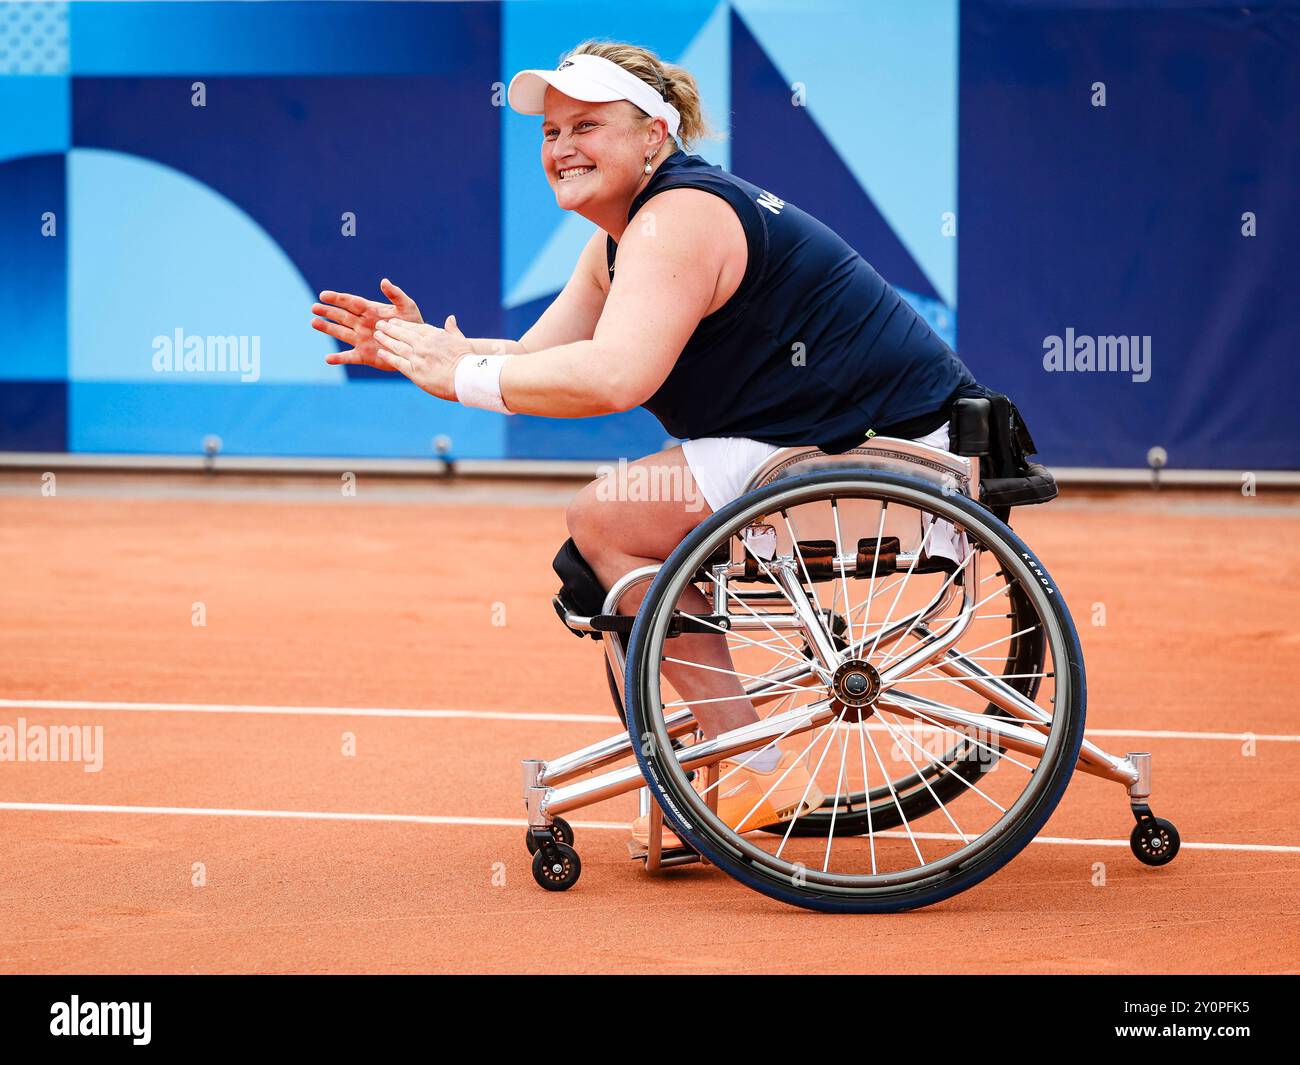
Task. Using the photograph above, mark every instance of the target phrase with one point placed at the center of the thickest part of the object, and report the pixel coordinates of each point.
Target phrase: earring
(647, 164)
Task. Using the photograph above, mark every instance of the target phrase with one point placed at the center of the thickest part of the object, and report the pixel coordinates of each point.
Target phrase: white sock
(763, 761)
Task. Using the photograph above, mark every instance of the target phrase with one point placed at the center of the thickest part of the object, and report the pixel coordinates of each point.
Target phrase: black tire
(1155, 841)
(557, 870)
(690, 817)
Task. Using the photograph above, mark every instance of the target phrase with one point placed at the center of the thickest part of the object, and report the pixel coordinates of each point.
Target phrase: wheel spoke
(871, 588)
(678, 704)
(949, 622)
(970, 656)
(902, 586)
(794, 540)
(740, 762)
(942, 765)
(912, 678)
(781, 636)
(942, 588)
(893, 794)
(996, 752)
(737, 673)
(839, 553)
(811, 778)
(866, 788)
(839, 790)
(746, 639)
(926, 782)
(789, 769)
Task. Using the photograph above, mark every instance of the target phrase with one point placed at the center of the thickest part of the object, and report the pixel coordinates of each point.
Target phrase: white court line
(1173, 734)
(330, 711)
(510, 715)
(304, 815)
(1067, 841)
(511, 822)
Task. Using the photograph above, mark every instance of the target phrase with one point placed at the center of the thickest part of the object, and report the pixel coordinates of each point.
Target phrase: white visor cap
(593, 79)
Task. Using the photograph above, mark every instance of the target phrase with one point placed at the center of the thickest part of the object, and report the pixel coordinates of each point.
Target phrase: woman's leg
(635, 517)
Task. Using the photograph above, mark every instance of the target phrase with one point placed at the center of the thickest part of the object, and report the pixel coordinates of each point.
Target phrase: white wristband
(478, 382)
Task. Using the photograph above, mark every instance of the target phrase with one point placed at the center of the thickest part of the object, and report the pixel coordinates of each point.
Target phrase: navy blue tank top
(814, 347)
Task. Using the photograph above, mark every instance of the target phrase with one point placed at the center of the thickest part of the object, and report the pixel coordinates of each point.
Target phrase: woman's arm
(670, 275)
(573, 314)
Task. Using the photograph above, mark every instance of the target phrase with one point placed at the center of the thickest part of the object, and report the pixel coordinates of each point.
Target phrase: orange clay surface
(388, 599)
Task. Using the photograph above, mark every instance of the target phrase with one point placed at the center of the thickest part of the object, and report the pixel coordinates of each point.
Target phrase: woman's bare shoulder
(705, 228)
(695, 205)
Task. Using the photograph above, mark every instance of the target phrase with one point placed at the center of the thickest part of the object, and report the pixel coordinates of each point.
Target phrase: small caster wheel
(1154, 841)
(561, 832)
(557, 867)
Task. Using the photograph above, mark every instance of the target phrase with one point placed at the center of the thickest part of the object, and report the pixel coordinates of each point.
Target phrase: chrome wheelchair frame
(552, 787)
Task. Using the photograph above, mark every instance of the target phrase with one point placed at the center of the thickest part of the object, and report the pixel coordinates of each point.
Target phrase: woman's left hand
(424, 353)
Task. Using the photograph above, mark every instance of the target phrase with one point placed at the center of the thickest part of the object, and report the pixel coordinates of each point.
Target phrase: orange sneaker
(743, 800)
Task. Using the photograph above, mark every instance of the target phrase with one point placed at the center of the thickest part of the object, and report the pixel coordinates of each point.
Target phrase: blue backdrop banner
(1109, 186)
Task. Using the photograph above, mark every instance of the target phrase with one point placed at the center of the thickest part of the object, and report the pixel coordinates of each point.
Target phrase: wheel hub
(854, 689)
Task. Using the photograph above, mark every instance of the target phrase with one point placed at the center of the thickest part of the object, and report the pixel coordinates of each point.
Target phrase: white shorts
(721, 465)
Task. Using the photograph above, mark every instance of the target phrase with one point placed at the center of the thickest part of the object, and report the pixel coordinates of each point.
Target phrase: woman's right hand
(352, 319)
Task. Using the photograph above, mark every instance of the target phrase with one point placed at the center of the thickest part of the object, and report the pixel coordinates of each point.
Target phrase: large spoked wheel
(945, 737)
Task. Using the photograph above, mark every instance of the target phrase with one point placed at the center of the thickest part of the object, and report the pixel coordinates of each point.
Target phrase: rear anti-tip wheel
(557, 867)
(561, 832)
(1155, 841)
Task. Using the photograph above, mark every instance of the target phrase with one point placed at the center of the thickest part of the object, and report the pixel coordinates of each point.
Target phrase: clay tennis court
(334, 755)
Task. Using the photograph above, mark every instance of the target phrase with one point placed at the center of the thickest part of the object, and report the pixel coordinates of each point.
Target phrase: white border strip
(511, 715)
(511, 822)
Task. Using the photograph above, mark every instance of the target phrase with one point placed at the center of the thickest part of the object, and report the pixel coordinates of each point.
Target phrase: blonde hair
(675, 84)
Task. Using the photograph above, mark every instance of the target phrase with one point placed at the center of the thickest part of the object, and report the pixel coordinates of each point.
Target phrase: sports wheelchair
(885, 622)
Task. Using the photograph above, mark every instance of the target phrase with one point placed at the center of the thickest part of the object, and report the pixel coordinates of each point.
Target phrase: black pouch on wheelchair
(991, 428)
(582, 593)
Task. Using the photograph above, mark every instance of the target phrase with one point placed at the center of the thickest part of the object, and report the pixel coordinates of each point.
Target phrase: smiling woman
(742, 323)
